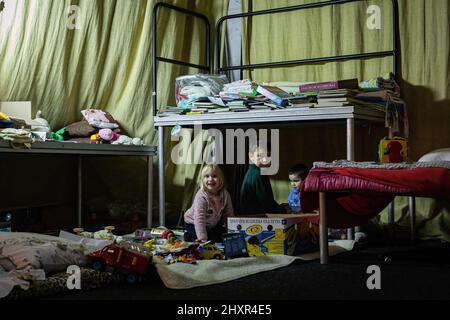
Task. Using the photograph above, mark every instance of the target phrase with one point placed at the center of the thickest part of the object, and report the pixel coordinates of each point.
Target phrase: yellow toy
(393, 150)
(150, 244)
(95, 139)
(209, 252)
(4, 116)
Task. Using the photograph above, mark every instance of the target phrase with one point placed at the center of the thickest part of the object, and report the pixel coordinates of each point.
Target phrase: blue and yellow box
(268, 234)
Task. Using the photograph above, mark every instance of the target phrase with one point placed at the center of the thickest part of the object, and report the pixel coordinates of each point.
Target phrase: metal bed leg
(162, 195)
(80, 191)
(350, 157)
(150, 192)
(391, 213)
(323, 228)
(412, 216)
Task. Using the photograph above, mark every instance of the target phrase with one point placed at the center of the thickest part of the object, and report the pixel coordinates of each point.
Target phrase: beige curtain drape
(104, 64)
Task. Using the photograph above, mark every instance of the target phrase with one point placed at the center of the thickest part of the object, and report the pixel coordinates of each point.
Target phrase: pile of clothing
(96, 127)
(21, 132)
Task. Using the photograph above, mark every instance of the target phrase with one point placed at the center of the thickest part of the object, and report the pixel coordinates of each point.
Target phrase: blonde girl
(206, 219)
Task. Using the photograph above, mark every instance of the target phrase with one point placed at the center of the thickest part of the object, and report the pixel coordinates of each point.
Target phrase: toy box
(235, 245)
(393, 150)
(268, 234)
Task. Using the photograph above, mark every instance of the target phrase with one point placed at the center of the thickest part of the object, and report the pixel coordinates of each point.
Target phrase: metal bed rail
(393, 52)
(155, 58)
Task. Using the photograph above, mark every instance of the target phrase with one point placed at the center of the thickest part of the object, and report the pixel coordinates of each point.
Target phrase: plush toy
(137, 142)
(123, 140)
(108, 135)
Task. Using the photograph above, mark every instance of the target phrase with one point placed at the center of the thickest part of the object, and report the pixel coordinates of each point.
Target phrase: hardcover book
(275, 94)
(330, 85)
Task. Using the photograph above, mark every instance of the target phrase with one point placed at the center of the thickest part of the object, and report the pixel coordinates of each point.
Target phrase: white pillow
(436, 155)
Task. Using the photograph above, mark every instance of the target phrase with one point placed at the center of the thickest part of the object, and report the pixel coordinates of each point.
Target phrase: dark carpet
(408, 271)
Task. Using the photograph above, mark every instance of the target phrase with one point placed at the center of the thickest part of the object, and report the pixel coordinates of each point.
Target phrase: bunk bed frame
(263, 118)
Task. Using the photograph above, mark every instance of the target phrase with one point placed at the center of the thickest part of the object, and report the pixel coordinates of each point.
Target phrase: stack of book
(172, 111)
(302, 101)
(237, 105)
(337, 98)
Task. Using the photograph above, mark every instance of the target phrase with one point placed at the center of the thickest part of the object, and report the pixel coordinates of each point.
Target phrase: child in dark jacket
(256, 190)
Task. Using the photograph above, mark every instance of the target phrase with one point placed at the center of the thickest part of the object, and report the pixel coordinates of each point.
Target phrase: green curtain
(105, 64)
(424, 78)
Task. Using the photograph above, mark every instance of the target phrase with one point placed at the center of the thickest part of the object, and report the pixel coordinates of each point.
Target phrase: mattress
(358, 192)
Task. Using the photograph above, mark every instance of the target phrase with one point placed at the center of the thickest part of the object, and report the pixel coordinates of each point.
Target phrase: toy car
(210, 251)
(121, 259)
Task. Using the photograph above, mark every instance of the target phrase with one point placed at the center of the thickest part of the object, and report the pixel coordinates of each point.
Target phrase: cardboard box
(269, 233)
(17, 109)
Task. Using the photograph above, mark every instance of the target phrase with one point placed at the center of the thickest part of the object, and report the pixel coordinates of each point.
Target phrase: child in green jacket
(256, 191)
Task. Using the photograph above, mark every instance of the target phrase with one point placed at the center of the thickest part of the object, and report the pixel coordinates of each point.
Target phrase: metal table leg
(350, 157)
(412, 216)
(323, 228)
(150, 191)
(80, 191)
(162, 195)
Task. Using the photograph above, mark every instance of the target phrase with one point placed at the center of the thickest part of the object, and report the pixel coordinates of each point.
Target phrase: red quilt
(357, 195)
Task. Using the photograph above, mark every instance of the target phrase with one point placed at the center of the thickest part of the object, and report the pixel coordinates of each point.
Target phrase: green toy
(58, 135)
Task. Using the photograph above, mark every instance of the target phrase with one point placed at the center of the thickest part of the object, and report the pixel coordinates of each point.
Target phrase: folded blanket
(209, 272)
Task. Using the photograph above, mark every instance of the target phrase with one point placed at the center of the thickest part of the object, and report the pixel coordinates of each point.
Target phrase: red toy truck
(132, 263)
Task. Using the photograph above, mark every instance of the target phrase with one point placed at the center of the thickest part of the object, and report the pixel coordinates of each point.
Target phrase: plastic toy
(210, 251)
(169, 235)
(121, 259)
(95, 139)
(393, 150)
(144, 234)
(235, 245)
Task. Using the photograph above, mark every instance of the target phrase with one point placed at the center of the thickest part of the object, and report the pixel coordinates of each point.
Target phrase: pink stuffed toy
(108, 135)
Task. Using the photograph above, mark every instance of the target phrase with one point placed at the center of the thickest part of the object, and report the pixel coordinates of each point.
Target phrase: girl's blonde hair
(218, 171)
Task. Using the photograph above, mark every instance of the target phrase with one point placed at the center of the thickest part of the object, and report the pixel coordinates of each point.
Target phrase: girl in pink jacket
(206, 219)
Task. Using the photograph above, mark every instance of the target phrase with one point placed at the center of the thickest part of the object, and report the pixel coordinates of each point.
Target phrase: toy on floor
(210, 251)
(133, 264)
(169, 235)
(235, 245)
(179, 252)
(105, 234)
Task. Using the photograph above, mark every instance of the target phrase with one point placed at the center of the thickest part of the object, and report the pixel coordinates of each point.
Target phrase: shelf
(272, 116)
